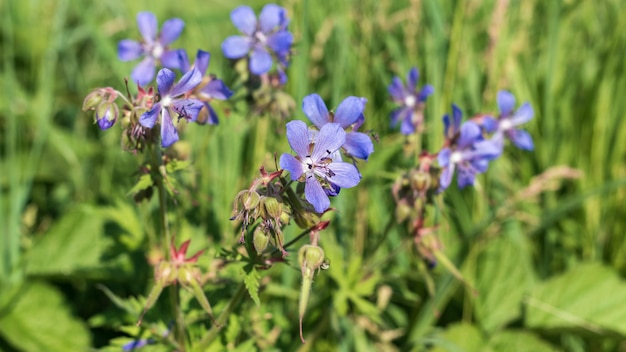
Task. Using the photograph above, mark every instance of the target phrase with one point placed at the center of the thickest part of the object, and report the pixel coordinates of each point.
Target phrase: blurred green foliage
(545, 254)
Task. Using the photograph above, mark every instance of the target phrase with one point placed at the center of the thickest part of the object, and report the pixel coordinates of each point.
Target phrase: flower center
(505, 125)
(166, 101)
(410, 101)
(260, 37)
(456, 158)
(157, 51)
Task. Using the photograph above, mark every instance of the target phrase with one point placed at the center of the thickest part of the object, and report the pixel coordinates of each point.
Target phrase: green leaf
(504, 275)
(74, 243)
(518, 341)
(38, 320)
(460, 337)
(144, 182)
(176, 165)
(589, 297)
(251, 281)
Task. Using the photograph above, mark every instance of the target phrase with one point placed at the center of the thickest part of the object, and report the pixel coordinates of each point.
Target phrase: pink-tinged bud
(260, 240)
(106, 115)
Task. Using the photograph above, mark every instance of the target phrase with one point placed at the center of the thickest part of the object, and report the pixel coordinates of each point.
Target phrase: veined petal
(149, 118)
(271, 17)
(298, 137)
(446, 177)
(143, 73)
(280, 42)
(169, 134)
(165, 80)
(349, 110)
(244, 19)
(188, 108)
(411, 79)
(212, 115)
(486, 149)
(216, 89)
(171, 30)
(524, 114)
(236, 46)
(202, 61)
(466, 175)
(457, 115)
(314, 193)
(183, 60)
(443, 158)
(521, 139)
(358, 145)
(470, 133)
(187, 82)
(345, 175)
(260, 61)
(506, 102)
(314, 108)
(293, 165)
(128, 50)
(147, 23)
(330, 138)
(172, 59)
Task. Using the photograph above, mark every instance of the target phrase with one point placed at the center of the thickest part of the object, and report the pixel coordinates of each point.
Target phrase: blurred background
(546, 254)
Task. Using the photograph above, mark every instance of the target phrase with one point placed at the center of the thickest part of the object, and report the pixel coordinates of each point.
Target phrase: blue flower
(506, 123)
(313, 163)
(348, 113)
(411, 100)
(210, 88)
(467, 151)
(268, 34)
(173, 103)
(154, 46)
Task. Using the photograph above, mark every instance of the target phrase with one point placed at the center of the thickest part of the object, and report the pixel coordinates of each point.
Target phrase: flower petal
(314, 108)
(143, 73)
(345, 175)
(212, 118)
(330, 138)
(236, 46)
(260, 61)
(216, 89)
(411, 79)
(172, 59)
(470, 133)
(446, 177)
(396, 90)
(465, 176)
(147, 23)
(314, 193)
(202, 61)
(293, 165)
(188, 108)
(506, 102)
(169, 134)
(443, 158)
(280, 42)
(188, 81)
(171, 30)
(271, 17)
(359, 145)
(408, 127)
(128, 50)
(524, 114)
(298, 137)
(349, 110)
(149, 118)
(426, 91)
(244, 19)
(521, 139)
(165, 80)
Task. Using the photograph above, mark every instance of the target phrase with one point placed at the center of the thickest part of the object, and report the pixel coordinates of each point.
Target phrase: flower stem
(159, 171)
(210, 336)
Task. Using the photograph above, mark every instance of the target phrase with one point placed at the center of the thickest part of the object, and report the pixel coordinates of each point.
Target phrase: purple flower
(267, 35)
(136, 344)
(468, 152)
(506, 123)
(411, 100)
(173, 103)
(211, 88)
(154, 46)
(348, 113)
(313, 163)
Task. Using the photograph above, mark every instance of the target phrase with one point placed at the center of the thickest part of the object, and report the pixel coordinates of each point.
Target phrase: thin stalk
(221, 320)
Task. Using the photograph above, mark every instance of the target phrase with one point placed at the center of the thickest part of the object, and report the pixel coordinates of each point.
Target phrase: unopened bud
(403, 211)
(92, 100)
(272, 209)
(260, 240)
(420, 180)
(106, 115)
(310, 258)
(165, 273)
(249, 199)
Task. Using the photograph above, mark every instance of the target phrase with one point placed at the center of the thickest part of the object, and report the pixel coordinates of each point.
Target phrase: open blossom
(508, 120)
(348, 113)
(411, 101)
(261, 38)
(210, 88)
(173, 104)
(467, 151)
(313, 163)
(154, 46)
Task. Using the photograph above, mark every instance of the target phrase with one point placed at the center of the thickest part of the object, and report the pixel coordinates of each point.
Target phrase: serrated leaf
(589, 296)
(460, 337)
(251, 280)
(38, 320)
(144, 182)
(75, 242)
(233, 329)
(503, 276)
(518, 341)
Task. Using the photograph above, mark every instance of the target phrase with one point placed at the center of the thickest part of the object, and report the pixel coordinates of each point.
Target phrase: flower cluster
(411, 101)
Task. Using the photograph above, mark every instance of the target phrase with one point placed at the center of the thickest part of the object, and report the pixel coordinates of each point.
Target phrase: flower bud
(250, 199)
(93, 99)
(420, 180)
(260, 240)
(272, 209)
(310, 258)
(165, 273)
(106, 115)
(403, 211)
